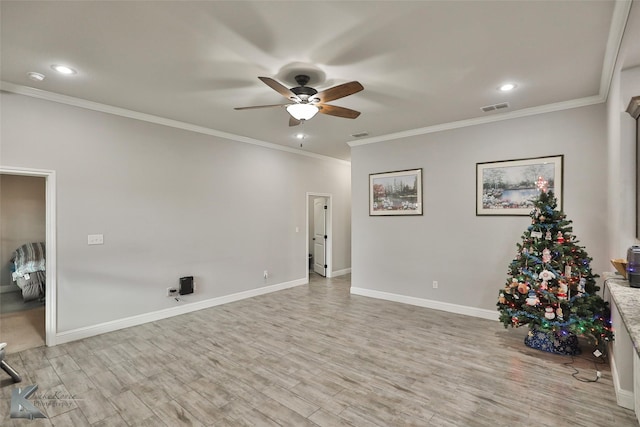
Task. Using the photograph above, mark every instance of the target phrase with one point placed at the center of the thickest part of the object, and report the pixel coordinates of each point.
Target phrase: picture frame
(508, 187)
(396, 193)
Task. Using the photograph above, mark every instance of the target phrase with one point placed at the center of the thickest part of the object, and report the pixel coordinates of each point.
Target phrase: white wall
(22, 218)
(467, 254)
(621, 137)
(170, 203)
(621, 141)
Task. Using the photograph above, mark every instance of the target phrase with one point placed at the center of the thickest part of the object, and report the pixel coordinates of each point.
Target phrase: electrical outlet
(435, 284)
(266, 274)
(171, 291)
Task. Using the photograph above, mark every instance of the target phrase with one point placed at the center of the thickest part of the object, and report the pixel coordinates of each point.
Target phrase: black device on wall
(186, 285)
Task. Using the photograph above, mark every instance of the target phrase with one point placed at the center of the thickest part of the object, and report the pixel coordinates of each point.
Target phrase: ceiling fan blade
(337, 92)
(260, 106)
(282, 90)
(293, 121)
(333, 110)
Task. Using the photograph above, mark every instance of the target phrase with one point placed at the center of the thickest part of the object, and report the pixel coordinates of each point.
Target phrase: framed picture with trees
(510, 187)
(395, 193)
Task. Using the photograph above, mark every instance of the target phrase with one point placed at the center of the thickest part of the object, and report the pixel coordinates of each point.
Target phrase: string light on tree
(542, 184)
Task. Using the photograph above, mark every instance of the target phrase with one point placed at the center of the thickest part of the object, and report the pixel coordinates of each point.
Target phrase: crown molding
(123, 112)
(558, 106)
(619, 19)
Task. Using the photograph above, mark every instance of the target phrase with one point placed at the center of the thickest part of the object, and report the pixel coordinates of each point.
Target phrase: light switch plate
(95, 239)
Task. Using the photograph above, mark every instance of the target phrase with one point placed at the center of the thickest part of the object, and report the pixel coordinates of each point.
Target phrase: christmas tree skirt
(553, 342)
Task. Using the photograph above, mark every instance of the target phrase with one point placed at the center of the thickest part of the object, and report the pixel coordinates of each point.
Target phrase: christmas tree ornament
(567, 271)
(562, 291)
(546, 255)
(560, 237)
(532, 298)
(549, 314)
(502, 299)
(523, 288)
(559, 313)
(536, 234)
(547, 235)
(546, 276)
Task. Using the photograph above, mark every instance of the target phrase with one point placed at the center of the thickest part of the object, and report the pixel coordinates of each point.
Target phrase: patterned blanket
(28, 258)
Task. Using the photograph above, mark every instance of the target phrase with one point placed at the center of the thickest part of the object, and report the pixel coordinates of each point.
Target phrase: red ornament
(560, 237)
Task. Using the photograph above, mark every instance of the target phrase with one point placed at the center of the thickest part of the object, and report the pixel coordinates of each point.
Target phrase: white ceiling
(423, 64)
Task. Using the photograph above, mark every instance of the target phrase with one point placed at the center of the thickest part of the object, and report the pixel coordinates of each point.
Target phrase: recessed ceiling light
(300, 135)
(63, 69)
(35, 76)
(507, 87)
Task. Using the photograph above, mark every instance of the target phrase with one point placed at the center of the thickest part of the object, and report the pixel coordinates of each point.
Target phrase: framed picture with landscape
(509, 187)
(395, 193)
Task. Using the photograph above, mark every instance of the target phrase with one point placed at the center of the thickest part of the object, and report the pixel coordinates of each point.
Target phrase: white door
(320, 236)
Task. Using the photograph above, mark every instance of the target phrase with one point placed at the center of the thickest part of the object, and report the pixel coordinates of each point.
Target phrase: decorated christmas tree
(551, 286)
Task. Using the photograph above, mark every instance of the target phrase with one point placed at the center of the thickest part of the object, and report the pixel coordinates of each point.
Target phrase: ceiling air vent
(360, 134)
(494, 107)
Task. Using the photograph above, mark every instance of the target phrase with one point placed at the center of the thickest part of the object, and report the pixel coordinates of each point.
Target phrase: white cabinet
(636, 383)
(621, 358)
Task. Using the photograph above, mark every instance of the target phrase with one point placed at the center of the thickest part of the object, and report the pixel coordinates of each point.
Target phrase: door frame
(329, 231)
(50, 213)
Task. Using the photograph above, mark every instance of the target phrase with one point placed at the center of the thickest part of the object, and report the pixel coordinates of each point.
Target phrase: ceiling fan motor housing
(303, 92)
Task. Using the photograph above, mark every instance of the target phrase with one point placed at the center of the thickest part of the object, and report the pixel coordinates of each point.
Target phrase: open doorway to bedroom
(22, 261)
(27, 258)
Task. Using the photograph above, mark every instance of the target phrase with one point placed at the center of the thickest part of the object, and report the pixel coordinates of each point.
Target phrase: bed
(28, 270)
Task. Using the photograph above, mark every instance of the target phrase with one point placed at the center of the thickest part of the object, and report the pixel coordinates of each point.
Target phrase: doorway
(39, 322)
(319, 239)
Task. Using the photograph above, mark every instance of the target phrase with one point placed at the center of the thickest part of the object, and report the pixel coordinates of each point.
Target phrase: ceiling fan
(306, 101)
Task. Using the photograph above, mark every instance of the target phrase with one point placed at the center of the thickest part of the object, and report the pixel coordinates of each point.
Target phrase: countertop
(627, 299)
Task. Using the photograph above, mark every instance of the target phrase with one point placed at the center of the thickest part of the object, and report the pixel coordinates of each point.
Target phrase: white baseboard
(341, 272)
(421, 302)
(8, 288)
(624, 397)
(114, 325)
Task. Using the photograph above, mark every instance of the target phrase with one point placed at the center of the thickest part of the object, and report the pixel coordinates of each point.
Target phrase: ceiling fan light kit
(302, 111)
(306, 101)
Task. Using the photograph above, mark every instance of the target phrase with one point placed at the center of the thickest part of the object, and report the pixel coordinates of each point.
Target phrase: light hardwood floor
(307, 356)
